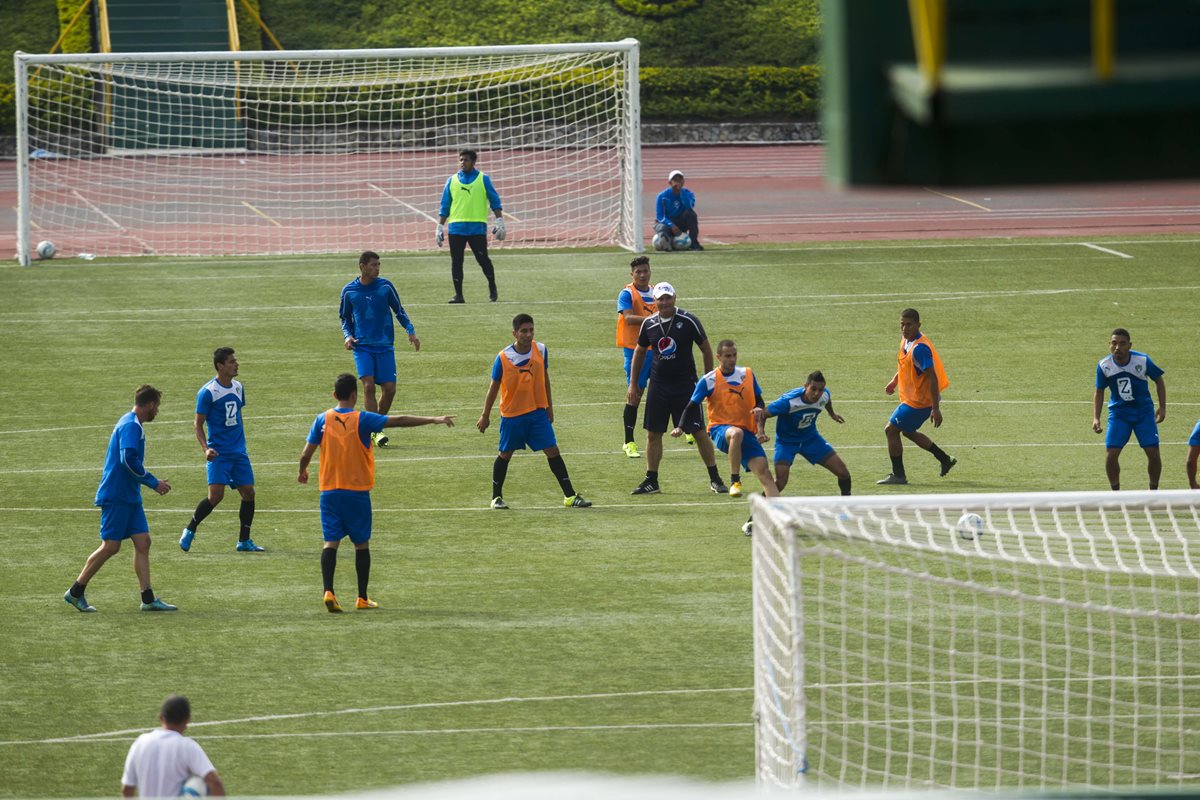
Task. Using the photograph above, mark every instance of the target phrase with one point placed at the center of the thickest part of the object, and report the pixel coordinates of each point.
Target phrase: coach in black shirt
(671, 334)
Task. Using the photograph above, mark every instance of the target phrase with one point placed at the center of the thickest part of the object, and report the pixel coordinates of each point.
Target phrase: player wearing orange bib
(920, 380)
(521, 379)
(347, 475)
(635, 304)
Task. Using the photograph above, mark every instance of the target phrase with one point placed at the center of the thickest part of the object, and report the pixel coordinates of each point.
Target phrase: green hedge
(716, 93)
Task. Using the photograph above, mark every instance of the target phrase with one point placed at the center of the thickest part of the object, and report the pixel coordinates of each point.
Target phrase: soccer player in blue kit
(1126, 373)
(796, 431)
(120, 499)
(1193, 456)
(367, 305)
(219, 407)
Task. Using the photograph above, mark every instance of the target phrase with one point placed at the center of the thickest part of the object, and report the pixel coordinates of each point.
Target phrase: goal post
(283, 152)
(1054, 645)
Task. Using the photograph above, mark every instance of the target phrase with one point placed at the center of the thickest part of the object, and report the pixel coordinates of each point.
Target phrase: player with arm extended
(347, 475)
(219, 406)
(920, 380)
(1126, 373)
(120, 499)
(635, 303)
(668, 336)
(521, 378)
(731, 395)
(161, 761)
(366, 309)
(796, 431)
(466, 198)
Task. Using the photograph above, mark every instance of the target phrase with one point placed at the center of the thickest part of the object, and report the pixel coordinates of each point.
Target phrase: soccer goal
(323, 151)
(1053, 641)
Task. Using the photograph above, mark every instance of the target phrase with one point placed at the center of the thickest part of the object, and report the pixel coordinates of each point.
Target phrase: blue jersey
(668, 205)
(124, 472)
(1128, 384)
(222, 405)
(796, 418)
(366, 313)
(368, 423)
(469, 228)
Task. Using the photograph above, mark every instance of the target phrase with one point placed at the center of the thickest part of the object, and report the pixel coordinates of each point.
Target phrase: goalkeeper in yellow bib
(920, 380)
(465, 200)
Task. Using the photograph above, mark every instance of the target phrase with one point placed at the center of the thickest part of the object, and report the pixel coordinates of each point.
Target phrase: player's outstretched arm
(405, 421)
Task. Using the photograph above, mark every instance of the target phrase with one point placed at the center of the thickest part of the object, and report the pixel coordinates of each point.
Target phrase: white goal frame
(1058, 649)
(310, 151)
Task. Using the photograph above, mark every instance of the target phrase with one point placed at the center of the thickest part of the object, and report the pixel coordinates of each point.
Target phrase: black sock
(246, 515)
(735, 477)
(362, 566)
(499, 471)
(652, 475)
(328, 565)
(844, 485)
(630, 421)
(559, 468)
(147, 595)
(938, 453)
(77, 589)
(203, 509)
(898, 466)
(713, 475)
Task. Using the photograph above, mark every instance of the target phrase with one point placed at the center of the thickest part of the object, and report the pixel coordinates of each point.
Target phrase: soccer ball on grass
(46, 249)
(969, 526)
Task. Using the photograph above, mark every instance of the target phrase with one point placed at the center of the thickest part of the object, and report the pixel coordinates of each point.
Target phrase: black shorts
(665, 403)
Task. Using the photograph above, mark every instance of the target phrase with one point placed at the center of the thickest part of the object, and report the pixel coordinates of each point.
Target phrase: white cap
(662, 290)
(674, 172)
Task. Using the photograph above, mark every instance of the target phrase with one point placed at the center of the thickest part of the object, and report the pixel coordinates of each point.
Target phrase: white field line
(1106, 250)
(397, 200)
(957, 199)
(405, 707)
(146, 248)
(867, 298)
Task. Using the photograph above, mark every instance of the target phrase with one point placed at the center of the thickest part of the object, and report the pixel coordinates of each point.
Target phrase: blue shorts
(909, 419)
(119, 521)
(1145, 428)
(1194, 439)
(230, 470)
(345, 513)
(380, 365)
(814, 449)
(532, 430)
(751, 447)
(644, 377)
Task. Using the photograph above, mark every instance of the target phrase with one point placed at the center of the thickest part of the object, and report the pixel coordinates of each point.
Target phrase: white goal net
(1053, 643)
(323, 151)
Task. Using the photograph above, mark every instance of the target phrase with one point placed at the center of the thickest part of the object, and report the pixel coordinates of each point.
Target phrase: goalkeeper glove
(441, 234)
(498, 230)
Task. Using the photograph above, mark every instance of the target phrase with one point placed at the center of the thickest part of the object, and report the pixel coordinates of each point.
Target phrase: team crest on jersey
(666, 347)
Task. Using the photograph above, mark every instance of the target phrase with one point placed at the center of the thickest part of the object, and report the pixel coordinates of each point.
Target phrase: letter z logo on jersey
(666, 347)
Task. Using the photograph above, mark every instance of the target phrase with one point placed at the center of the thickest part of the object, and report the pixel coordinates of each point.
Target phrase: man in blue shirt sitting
(675, 213)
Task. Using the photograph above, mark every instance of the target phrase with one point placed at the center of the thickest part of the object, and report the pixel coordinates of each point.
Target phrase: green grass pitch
(614, 639)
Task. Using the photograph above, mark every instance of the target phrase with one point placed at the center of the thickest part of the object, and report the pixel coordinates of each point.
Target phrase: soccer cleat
(248, 546)
(631, 450)
(158, 605)
(332, 604)
(493, 295)
(185, 540)
(456, 300)
(80, 602)
(576, 501)
(365, 603)
(748, 527)
(893, 480)
(647, 487)
(947, 466)
(689, 439)
(696, 245)
(499, 504)
(735, 489)
(720, 488)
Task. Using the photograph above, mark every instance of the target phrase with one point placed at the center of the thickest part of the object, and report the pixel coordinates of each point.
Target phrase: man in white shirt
(159, 762)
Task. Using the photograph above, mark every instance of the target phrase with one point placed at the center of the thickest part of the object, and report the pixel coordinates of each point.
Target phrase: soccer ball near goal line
(46, 249)
(969, 526)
